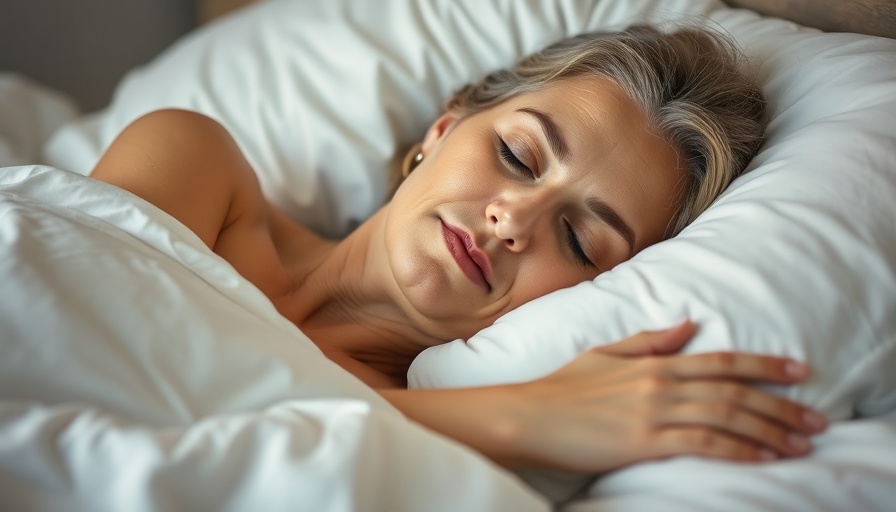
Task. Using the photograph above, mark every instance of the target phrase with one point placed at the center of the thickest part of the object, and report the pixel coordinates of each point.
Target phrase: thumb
(647, 343)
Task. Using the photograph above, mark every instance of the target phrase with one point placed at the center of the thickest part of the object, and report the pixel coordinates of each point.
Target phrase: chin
(439, 312)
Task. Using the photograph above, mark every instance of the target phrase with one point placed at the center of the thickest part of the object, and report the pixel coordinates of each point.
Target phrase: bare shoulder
(186, 164)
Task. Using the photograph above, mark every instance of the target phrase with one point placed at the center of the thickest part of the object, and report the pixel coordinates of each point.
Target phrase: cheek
(458, 180)
(414, 264)
(465, 164)
(543, 277)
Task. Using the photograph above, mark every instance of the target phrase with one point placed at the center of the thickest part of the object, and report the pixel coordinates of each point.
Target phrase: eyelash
(573, 241)
(511, 159)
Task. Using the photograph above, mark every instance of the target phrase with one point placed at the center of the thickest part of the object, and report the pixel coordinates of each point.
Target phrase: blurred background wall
(84, 47)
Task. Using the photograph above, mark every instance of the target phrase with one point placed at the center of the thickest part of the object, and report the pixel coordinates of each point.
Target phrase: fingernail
(798, 442)
(795, 369)
(813, 419)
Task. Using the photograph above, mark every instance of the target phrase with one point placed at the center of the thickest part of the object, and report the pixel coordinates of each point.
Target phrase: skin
(393, 287)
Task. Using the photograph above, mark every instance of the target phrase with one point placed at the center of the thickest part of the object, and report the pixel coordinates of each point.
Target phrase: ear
(439, 129)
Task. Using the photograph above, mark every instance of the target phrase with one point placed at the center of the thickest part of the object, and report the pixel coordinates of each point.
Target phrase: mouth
(471, 260)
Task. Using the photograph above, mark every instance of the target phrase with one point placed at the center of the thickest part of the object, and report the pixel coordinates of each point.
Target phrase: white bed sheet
(139, 371)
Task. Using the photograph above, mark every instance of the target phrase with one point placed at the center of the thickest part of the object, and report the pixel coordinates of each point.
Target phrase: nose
(514, 219)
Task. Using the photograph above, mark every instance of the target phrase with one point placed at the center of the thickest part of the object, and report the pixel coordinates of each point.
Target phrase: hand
(631, 401)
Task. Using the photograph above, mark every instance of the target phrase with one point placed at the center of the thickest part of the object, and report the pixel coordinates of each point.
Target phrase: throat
(339, 298)
(368, 338)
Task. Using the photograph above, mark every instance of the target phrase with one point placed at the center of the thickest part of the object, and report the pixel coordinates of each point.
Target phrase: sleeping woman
(534, 179)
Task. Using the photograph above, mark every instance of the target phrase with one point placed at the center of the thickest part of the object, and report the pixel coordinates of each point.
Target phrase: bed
(139, 371)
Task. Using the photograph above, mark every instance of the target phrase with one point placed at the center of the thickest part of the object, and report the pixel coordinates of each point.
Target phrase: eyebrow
(551, 131)
(611, 217)
(600, 207)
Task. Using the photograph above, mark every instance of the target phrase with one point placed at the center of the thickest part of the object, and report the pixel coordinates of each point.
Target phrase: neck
(342, 302)
(381, 362)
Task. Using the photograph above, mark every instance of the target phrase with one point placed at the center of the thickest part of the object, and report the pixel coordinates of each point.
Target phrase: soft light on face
(539, 193)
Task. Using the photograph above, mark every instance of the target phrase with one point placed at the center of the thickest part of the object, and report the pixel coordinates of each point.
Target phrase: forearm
(607, 409)
(487, 419)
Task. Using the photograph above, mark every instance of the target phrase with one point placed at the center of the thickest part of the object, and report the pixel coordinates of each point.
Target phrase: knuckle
(709, 443)
(652, 385)
(727, 413)
(742, 451)
(781, 437)
(643, 434)
(784, 411)
(734, 392)
(703, 441)
(725, 361)
(652, 414)
(649, 365)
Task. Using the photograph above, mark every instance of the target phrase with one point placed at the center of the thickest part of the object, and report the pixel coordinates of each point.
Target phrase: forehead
(588, 108)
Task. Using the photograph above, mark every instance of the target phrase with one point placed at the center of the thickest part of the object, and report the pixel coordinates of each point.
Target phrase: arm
(187, 165)
(610, 408)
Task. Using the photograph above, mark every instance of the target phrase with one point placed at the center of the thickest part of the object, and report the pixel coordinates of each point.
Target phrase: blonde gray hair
(689, 82)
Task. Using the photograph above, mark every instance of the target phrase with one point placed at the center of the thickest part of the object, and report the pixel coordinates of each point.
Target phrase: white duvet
(140, 372)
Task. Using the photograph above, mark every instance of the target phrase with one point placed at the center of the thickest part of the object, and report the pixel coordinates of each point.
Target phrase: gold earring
(412, 160)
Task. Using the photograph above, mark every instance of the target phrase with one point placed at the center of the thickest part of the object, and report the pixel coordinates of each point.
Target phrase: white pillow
(29, 114)
(797, 258)
(322, 95)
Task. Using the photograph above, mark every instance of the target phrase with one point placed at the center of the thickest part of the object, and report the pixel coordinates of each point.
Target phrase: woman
(535, 179)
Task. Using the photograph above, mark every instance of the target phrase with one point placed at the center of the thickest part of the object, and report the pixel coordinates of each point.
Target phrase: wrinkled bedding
(139, 371)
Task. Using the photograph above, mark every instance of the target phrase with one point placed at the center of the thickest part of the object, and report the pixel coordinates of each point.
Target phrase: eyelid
(509, 157)
(532, 146)
(609, 248)
(574, 243)
(550, 131)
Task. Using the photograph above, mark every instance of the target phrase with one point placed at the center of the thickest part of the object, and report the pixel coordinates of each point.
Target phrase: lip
(472, 261)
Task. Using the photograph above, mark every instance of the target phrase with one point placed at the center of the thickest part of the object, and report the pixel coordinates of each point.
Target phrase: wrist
(510, 427)
(491, 420)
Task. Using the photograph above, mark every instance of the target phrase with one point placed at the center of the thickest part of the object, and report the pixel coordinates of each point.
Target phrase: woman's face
(539, 193)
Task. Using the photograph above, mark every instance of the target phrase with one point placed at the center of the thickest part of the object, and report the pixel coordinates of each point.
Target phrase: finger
(647, 343)
(731, 419)
(790, 414)
(738, 365)
(706, 442)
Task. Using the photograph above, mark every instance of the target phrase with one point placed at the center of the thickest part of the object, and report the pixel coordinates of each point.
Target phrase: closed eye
(573, 241)
(511, 159)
